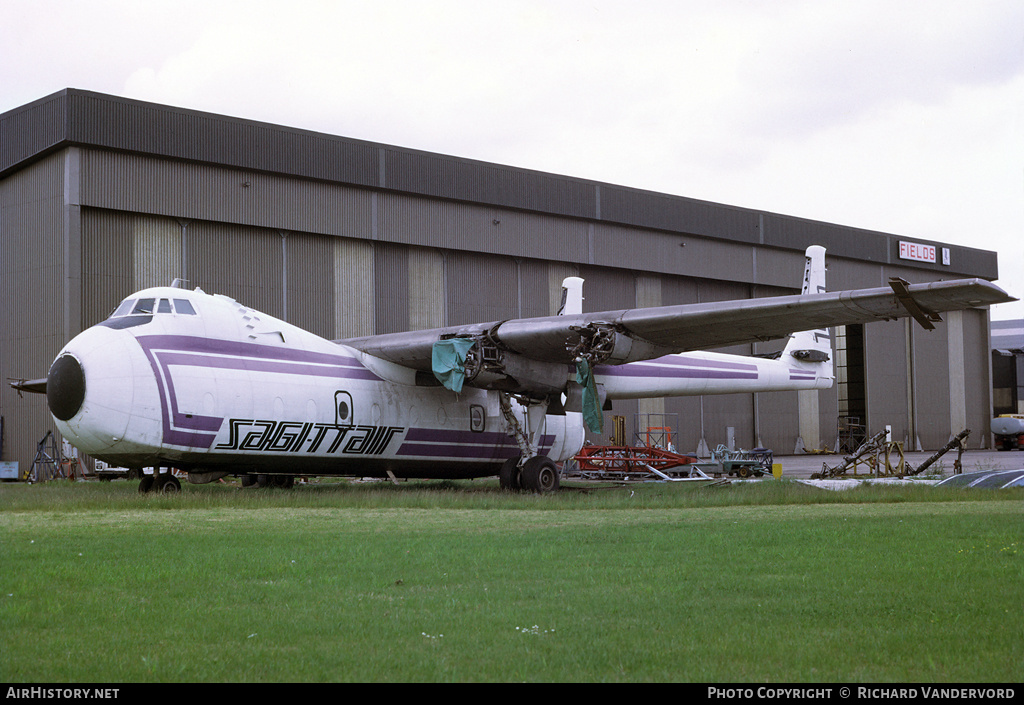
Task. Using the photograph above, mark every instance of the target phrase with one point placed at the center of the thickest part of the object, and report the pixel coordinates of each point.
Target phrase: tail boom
(805, 362)
(696, 373)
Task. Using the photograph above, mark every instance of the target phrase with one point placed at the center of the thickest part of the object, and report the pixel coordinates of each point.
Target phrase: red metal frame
(628, 459)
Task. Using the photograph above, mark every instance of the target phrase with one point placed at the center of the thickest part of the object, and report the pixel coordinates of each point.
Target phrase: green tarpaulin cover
(591, 402)
(448, 361)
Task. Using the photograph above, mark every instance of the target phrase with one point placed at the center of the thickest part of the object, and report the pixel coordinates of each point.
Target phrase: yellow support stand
(900, 469)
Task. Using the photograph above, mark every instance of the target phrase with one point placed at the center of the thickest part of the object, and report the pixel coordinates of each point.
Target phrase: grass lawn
(768, 581)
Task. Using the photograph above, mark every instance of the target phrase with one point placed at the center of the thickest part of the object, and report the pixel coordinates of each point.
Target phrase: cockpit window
(124, 308)
(184, 306)
(144, 305)
(147, 307)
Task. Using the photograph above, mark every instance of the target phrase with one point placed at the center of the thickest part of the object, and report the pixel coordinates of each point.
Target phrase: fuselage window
(184, 306)
(164, 306)
(145, 306)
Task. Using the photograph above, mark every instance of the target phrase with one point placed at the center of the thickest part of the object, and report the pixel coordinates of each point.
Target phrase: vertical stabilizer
(572, 297)
(814, 270)
(812, 348)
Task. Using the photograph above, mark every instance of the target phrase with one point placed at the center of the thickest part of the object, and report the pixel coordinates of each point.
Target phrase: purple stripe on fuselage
(169, 358)
(681, 367)
(164, 351)
(194, 344)
(436, 443)
(190, 440)
(420, 450)
(433, 435)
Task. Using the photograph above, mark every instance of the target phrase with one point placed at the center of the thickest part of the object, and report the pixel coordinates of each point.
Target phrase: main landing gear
(162, 482)
(537, 474)
(530, 471)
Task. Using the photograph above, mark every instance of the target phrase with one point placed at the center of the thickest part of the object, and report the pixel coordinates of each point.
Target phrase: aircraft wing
(632, 335)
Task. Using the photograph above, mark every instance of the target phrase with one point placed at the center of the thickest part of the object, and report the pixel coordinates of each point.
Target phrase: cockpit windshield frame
(147, 306)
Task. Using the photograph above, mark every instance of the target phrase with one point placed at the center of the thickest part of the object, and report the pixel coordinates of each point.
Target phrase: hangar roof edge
(75, 117)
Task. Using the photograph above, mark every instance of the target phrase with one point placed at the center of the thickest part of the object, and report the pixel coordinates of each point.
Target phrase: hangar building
(1008, 367)
(101, 196)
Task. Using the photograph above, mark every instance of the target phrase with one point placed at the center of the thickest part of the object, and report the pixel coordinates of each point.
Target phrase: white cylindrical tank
(1007, 426)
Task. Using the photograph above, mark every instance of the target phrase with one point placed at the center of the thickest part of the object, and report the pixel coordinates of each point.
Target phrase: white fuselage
(221, 386)
(199, 382)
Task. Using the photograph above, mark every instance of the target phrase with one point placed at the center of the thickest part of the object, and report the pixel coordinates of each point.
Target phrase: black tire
(146, 484)
(540, 475)
(510, 476)
(169, 484)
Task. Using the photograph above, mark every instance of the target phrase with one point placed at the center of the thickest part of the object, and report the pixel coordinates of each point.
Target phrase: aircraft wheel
(169, 485)
(146, 484)
(540, 474)
(247, 480)
(510, 476)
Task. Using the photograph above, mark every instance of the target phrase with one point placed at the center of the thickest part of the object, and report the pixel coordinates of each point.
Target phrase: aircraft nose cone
(65, 387)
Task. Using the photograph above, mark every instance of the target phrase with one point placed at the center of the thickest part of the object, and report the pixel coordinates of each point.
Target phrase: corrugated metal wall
(142, 184)
(156, 251)
(682, 215)
(310, 283)
(108, 262)
(34, 291)
(427, 284)
(32, 131)
(391, 287)
(442, 176)
(241, 262)
(355, 290)
(978, 374)
(482, 288)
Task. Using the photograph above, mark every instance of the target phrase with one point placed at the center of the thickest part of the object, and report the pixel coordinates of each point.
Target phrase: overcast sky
(902, 117)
